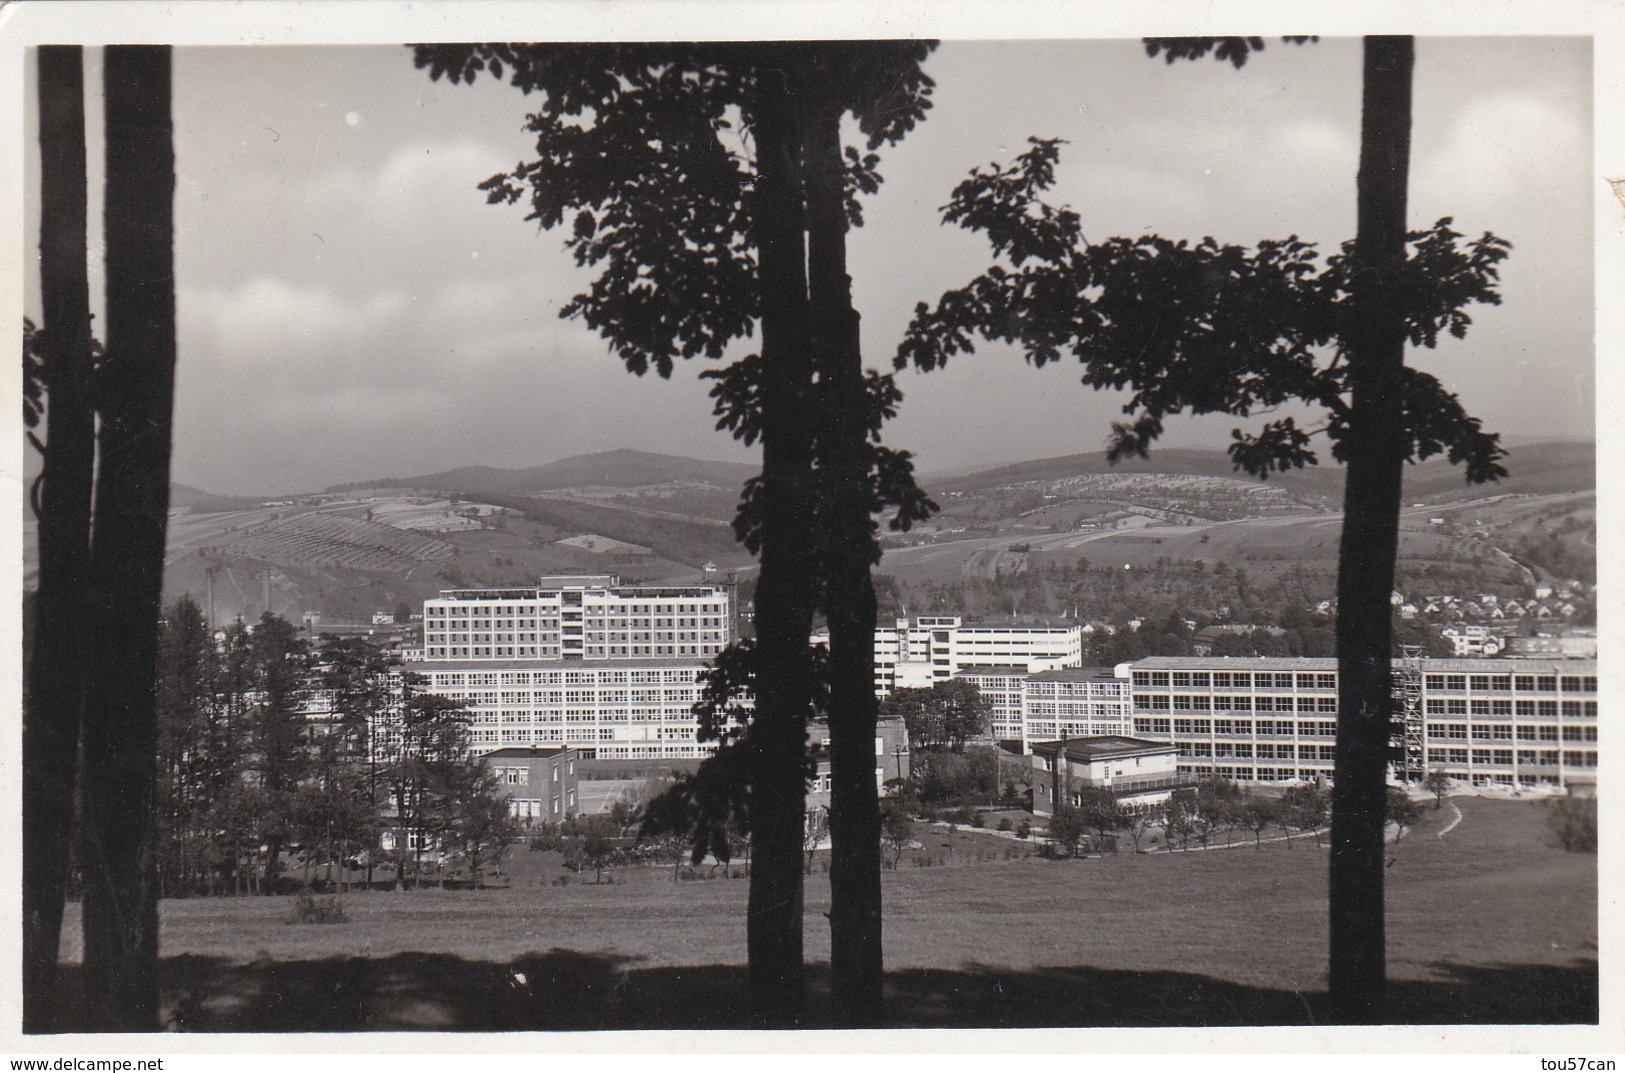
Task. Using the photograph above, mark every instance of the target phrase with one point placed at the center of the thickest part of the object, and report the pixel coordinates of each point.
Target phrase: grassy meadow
(1491, 923)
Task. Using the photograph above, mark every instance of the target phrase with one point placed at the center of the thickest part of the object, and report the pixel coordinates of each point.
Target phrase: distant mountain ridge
(1548, 466)
(608, 469)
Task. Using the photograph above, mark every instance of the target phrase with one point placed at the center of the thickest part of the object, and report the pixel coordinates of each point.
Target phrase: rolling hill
(1534, 468)
(604, 469)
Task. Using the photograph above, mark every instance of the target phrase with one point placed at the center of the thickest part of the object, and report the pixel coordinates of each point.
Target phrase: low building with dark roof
(539, 784)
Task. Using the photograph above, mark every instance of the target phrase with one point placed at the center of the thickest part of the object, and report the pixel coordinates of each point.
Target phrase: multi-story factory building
(1005, 691)
(610, 670)
(628, 709)
(1490, 722)
(935, 647)
(586, 617)
(1080, 702)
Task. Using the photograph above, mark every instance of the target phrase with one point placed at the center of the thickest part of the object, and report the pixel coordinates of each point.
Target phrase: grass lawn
(1490, 924)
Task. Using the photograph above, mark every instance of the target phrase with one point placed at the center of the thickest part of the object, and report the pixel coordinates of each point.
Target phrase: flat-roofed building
(538, 784)
(1004, 689)
(1139, 773)
(1082, 702)
(579, 617)
(933, 648)
(1483, 721)
(625, 709)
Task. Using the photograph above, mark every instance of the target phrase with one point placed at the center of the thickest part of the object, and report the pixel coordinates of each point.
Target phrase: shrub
(309, 909)
(1024, 829)
(1574, 821)
(1005, 824)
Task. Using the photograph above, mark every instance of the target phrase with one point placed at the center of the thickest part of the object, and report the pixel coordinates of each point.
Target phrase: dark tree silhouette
(1437, 783)
(697, 244)
(137, 388)
(1066, 825)
(195, 759)
(277, 731)
(1227, 329)
(1376, 456)
(53, 702)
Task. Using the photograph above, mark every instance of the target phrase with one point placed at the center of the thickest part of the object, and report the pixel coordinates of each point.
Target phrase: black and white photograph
(541, 521)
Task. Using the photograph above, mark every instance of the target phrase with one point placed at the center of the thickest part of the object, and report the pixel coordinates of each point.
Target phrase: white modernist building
(626, 709)
(610, 670)
(933, 648)
(1484, 721)
(587, 617)
(1081, 702)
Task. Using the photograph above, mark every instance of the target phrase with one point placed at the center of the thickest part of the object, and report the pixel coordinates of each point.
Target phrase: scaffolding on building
(1409, 728)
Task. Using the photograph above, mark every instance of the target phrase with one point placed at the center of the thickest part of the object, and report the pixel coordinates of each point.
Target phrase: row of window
(1507, 757)
(523, 637)
(1243, 750)
(1509, 731)
(529, 808)
(1235, 679)
(1251, 774)
(554, 652)
(706, 602)
(1322, 680)
(603, 696)
(594, 676)
(1518, 683)
(1185, 702)
(1307, 728)
(628, 715)
(1531, 709)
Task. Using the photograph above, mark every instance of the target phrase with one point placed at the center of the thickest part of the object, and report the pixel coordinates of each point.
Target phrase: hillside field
(1489, 922)
(1263, 546)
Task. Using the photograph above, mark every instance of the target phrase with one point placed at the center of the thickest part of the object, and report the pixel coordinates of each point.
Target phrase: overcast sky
(350, 307)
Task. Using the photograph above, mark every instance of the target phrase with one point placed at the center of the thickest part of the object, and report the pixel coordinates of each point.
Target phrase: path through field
(1494, 925)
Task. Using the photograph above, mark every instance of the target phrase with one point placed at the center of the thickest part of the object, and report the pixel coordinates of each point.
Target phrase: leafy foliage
(642, 148)
(1231, 50)
(1204, 327)
(1438, 784)
(1574, 821)
(33, 379)
(896, 831)
(944, 716)
(1067, 828)
(1401, 810)
(711, 806)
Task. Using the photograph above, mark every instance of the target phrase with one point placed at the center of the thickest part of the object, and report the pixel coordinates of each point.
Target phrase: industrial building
(1482, 721)
(626, 709)
(933, 648)
(579, 617)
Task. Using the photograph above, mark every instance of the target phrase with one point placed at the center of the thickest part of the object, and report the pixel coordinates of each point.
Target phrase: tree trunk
(854, 817)
(1365, 579)
(55, 698)
(127, 553)
(783, 592)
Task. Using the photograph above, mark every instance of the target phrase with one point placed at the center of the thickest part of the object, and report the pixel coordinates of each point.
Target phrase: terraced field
(337, 542)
